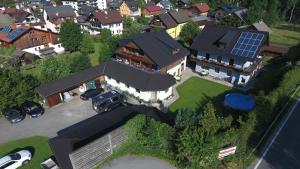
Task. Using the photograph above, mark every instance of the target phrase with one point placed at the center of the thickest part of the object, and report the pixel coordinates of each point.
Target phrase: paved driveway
(53, 120)
(137, 162)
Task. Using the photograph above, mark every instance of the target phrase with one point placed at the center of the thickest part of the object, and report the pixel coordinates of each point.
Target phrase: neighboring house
(54, 16)
(226, 10)
(259, 26)
(20, 16)
(5, 20)
(198, 9)
(23, 58)
(183, 3)
(172, 22)
(85, 144)
(148, 86)
(165, 4)
(30, 40)
(151, 10)
(110, 19)
(77, 4)
(130, 8)
(114, 4)
(229, 54)
(153, 51)
(202, 21)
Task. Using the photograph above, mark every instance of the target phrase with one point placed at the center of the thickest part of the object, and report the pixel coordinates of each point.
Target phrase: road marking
(277, 133)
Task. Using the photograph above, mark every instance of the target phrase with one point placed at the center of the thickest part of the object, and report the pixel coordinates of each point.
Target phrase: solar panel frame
(247, 44)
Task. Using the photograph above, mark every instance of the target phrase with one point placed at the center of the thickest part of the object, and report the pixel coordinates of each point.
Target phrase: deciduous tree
(70, 36)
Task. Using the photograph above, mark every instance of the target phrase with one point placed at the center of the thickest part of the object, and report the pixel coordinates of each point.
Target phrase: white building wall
(174, 71)
(35, 50)
(116, 28)
(102, 4)
(73, 4)
(163, 95)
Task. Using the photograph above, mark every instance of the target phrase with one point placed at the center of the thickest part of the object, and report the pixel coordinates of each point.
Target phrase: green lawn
(37, 145)
(196, 91)
(286, 35)
(94, 57)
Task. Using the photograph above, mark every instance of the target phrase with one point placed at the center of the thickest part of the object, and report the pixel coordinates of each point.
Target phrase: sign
(227, 151)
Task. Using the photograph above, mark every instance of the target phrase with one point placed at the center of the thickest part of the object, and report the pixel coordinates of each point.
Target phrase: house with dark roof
(130, 8)
(85, 144)
(229, 54)
(165, 4)
(54, 16)
(171, 21)
(154, 52)
(146, 85)
(20, 16)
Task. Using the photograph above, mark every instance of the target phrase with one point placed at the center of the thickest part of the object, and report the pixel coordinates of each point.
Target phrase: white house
(76, 4)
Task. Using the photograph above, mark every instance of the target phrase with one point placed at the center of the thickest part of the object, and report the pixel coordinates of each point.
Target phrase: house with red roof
(197, 9)
(151, 10)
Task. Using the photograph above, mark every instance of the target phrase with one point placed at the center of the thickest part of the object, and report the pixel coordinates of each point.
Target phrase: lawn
(196, 91)
(285, 35)
(37, 145)
(94, 57)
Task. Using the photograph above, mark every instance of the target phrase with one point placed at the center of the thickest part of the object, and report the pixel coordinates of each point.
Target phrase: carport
(52, 92)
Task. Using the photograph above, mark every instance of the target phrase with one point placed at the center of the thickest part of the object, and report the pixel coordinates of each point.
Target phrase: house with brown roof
(109, 19)
(130, 8)
(54, 16)
(151, 10)
(197, 9)
(172, 22)
(20, 16)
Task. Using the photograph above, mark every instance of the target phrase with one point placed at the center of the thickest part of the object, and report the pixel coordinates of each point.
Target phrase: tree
(8, 3)
(292, 4)
(143, 20)
(256, 10)
(231, 20)
(105, 35)
(86, 45)
(272, 15)
(15, 88)
(188, 32)
(70, 36)
(127, 22)
(105, 53)
(79, 62)
(53, 68)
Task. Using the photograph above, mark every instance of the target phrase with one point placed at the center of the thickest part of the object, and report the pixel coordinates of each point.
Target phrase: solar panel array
(247, 44)
(6, 29)
(16, 33)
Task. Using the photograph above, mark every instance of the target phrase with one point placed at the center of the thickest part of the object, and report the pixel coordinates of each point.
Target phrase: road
(283, 150)
(137, 162)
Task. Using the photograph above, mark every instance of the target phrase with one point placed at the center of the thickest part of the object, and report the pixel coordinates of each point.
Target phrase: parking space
(53, 120)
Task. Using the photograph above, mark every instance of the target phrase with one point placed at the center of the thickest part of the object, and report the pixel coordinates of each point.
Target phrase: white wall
(35, 50)
(144, 95)
(73, 4)
(174, 71)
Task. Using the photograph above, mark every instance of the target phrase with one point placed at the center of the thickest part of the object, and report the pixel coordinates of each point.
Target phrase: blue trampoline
(239, 101)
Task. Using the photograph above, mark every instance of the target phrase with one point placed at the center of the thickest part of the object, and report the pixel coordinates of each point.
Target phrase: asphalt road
(283, 152)
(137, 162)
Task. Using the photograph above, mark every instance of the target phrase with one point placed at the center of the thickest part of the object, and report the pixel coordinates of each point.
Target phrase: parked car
(107, 101)
(15, 160)
(14, 115)
(32, 109)
(91, 93)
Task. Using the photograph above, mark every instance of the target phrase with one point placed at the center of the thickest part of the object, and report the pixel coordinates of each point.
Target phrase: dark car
(32, 109)
(91, 93)
(107, 101)
(13, 115)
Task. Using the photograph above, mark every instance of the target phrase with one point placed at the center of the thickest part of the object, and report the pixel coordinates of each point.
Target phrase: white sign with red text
(227, 151)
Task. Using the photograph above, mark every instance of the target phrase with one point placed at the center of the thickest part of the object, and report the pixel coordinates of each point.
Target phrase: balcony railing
(247, 70)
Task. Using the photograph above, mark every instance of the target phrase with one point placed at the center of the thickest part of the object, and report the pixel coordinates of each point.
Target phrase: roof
(145, 81)
(167, 20)
(17, 14)
(108, 17)
(276, 49)
(86, 131)
(152, 8)
(211, 34)
(201, 7)
(133, 5)
(262, 26)
(179, 16)
(162, 49)
(86, 10)
(61, 11)
(7, 34)
(5, 20)
(165, 3)
(241, 13)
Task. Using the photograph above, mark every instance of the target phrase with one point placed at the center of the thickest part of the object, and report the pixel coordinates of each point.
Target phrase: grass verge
(285, 35)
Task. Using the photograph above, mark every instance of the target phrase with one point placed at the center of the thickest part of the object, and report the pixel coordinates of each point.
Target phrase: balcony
(246, 71)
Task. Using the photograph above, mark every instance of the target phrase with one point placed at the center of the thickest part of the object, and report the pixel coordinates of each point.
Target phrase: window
(137, 90)
(7, 165)
(217, 70)
(205, 67)
(243, 80)
(219, 59)
(115, 99)
(207, 56)
(229, 72)
(231, 62)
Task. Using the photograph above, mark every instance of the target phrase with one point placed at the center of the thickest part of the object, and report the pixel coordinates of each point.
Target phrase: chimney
(105, 12)
(56, 14)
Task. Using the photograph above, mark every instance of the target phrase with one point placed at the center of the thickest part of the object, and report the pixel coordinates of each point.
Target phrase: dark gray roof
(86, 10)
(162, 49)
(179, 16)
(211, 34)
(84, 132)
(167, 20)
(145, 81)
(59, 11)
(133, 5)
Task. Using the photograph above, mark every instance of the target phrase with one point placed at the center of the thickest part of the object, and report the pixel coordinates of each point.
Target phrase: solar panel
(247, 44)
(6, 29)
(16, 33)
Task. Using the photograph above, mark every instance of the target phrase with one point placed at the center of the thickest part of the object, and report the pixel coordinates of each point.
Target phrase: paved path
(53, 120)
(138, 162)
(283, 149)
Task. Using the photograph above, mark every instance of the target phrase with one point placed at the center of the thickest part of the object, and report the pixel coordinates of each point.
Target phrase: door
(153, 97)
(53, 100)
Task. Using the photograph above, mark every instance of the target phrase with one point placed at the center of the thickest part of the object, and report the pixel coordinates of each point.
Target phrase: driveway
(53, 120)
(137, 162)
